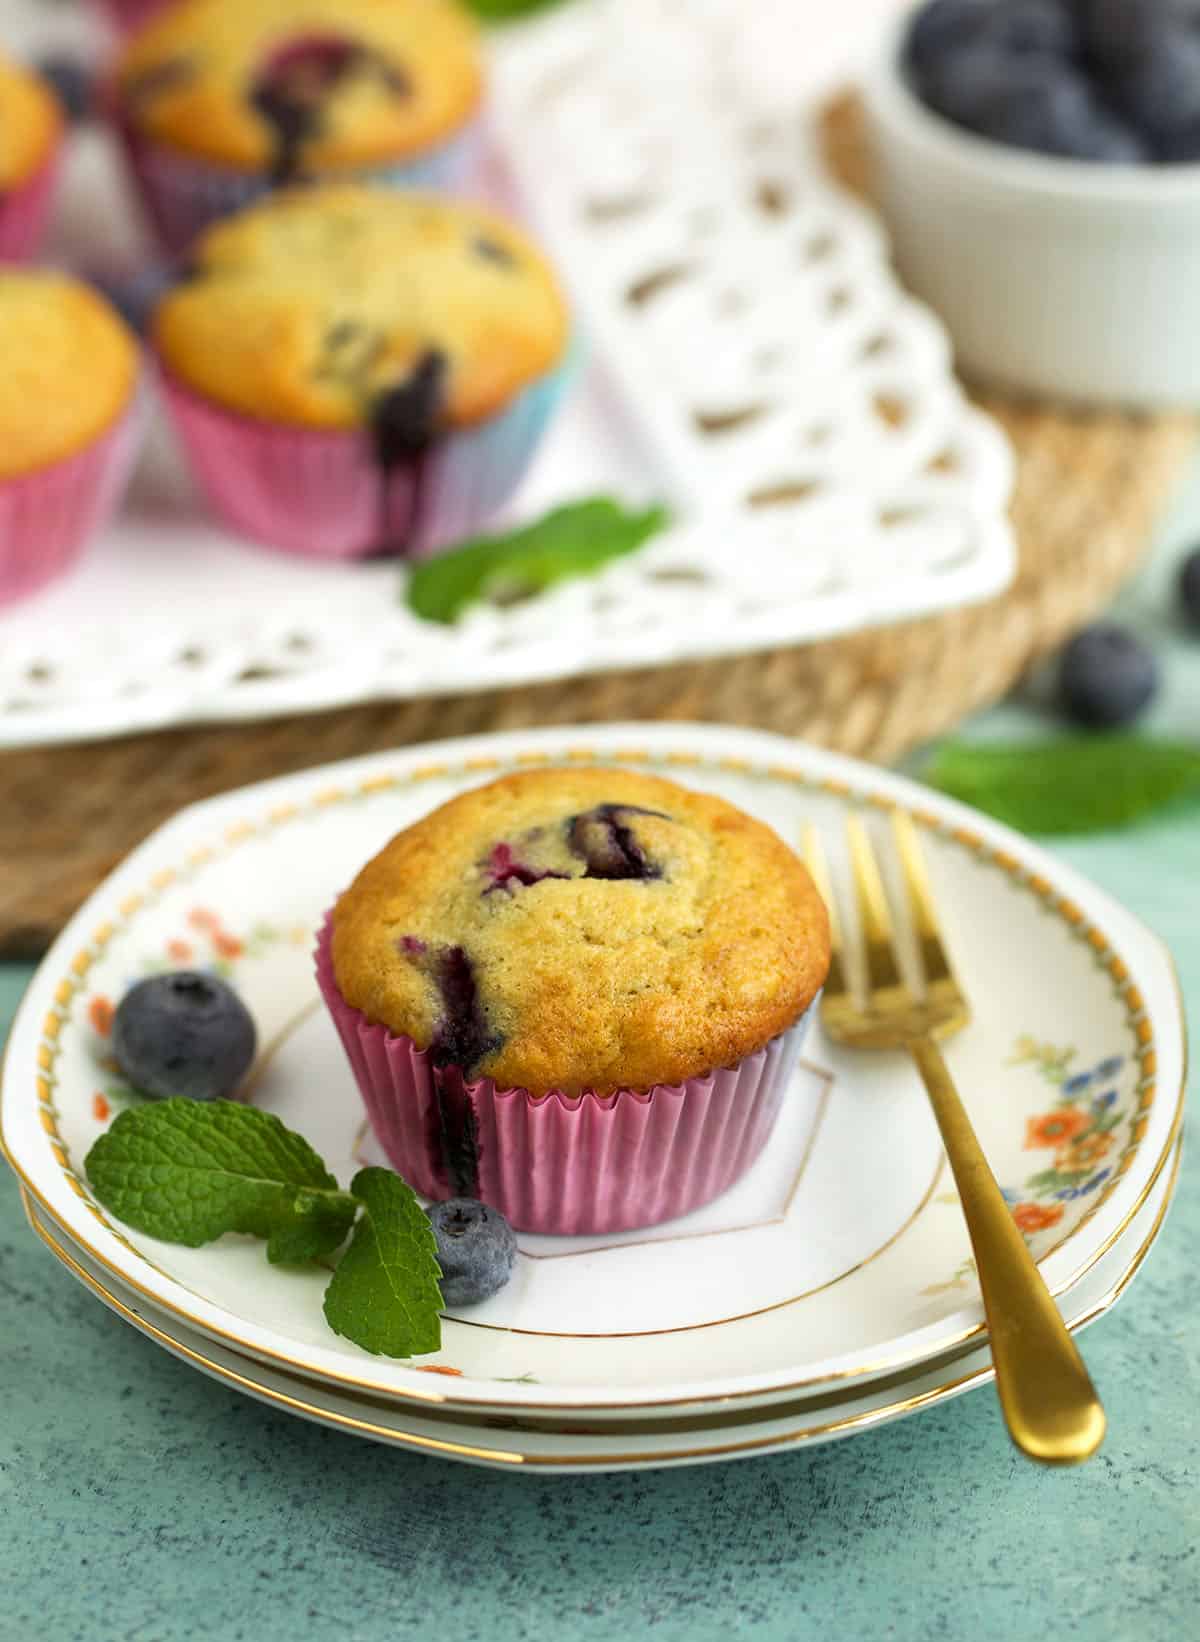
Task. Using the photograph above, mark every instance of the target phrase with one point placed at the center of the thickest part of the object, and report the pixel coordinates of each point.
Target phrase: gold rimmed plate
(507, 1442)
(841, 1257)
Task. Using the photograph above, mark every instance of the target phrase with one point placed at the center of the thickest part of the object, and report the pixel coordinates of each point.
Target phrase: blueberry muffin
(31, 127)
(66, 437)
(70, 366)
(393, 320)
(576, 994)
(221, 99)
(583, 929)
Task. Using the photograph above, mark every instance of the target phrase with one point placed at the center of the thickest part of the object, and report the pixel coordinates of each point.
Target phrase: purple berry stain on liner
(403, 421)
(607, 845)
(461, 1040)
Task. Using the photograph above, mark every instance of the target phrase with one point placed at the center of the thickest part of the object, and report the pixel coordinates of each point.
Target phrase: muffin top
(583, 929)
(302, 87)
(335, 307)
(70, 366)
(30, 121)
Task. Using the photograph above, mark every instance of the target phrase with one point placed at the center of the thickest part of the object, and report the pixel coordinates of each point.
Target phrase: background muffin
(577, 994)
(222, 99)
(66, 401)
(354, 369)
(31, 127)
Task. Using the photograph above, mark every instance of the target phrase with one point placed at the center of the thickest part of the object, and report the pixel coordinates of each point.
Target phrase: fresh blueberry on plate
(1107, 676)
(183, 1033)
(476, 1249)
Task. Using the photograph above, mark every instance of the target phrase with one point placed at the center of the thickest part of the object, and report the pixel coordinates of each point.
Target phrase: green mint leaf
(499, 11)
(575, 540)
(1072, 784)
(384, 1294)
(188, 1171)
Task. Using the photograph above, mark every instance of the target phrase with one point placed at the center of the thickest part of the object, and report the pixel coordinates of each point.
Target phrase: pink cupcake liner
(25, 212)
(46, 517)
(323, 495)
(558, 1164)
(183, 196)
(128, 15)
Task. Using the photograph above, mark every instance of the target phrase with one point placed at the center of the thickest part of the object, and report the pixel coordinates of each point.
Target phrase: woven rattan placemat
(1089, 489)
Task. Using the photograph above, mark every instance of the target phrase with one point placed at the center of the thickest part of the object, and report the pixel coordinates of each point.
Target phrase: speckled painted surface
(141, 1502)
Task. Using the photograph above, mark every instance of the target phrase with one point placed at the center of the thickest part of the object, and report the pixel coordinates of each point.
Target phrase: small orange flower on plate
(227, 945)
(1083, 1153)
(1055, 1128)
(100, 1014)
(1035, 1217)
(180, 951)
(202, 918)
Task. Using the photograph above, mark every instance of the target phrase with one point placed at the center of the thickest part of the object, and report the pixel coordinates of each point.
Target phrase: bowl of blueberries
(1038, 162)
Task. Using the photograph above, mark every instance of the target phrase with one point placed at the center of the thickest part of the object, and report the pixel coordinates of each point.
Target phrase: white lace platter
(749, 359)
(841, 1257)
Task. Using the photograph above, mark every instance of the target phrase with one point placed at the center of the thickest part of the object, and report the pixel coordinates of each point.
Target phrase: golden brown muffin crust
(30, 123)
(383, 80)
(69, 368)
(583, 929)
(310, 307)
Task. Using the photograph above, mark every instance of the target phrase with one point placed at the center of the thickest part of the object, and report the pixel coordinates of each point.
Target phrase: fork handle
(1049, 1403)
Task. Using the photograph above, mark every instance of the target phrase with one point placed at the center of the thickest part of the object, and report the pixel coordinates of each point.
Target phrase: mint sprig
(1070, 784)
(188, 1172)
(500, 11)
(384, 1294)
(575, 540)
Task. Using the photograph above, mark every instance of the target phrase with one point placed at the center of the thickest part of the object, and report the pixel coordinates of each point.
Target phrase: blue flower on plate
(1009, 1196)
(1104, 1101)
(1077, 1084)
(1109, 1068)
(1096, 1180)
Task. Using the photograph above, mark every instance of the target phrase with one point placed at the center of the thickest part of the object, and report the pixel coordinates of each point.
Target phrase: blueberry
(1106, 676)
(943, 27)
(463, 1036)
(1029, 102)
(72, 83)
(476, 1249)
(605, 842)
(1189, 587)
(1045, 27)
(183, 1033)
(1117, 33)
(1160, 93)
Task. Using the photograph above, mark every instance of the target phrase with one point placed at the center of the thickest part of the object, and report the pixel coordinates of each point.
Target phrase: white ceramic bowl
(1056, 276)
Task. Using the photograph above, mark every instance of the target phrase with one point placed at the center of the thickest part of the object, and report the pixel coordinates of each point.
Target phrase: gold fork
(1049, 1404)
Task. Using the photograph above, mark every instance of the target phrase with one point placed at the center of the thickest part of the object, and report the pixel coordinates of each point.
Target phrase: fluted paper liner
(561, 1165)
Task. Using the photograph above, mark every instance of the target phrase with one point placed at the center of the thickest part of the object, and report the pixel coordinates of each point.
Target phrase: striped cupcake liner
(127, 16)
(25, 212)
(183, 196)
(557, 1164)
(47, 517)
(323, 495)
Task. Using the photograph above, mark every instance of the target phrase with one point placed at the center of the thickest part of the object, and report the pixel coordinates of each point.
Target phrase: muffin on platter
(31, 128)
(67, 422)
(356, 371)
(221, 100)
(578, 994)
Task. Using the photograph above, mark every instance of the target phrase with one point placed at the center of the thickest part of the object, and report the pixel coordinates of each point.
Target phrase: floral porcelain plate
(842, 1256)
(504, 1442)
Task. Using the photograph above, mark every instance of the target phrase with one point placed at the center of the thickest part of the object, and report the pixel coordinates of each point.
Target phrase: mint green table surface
(141, 1502)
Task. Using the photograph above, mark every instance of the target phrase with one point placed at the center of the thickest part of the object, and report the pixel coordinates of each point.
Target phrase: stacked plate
(831, 1290)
